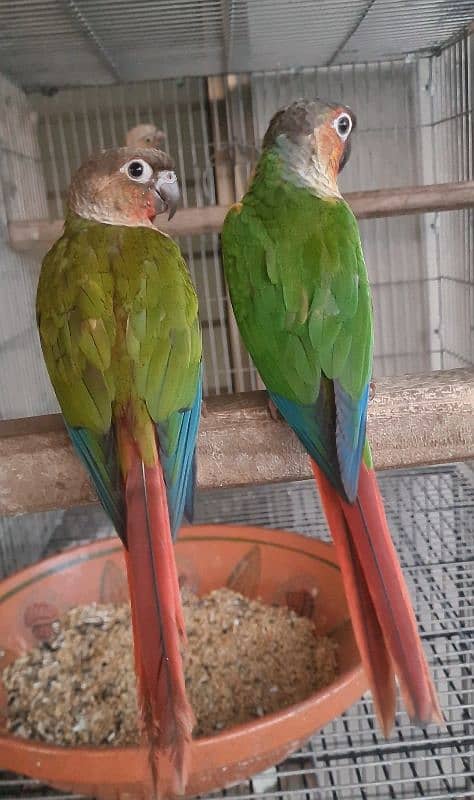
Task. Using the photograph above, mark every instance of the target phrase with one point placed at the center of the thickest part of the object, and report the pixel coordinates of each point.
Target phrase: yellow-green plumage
(118, 322)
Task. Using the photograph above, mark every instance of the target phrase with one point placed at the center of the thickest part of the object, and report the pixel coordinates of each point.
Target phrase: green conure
(299, 288)
(118, 323)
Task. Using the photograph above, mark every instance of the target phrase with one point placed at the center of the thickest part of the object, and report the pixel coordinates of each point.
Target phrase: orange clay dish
(274, 566)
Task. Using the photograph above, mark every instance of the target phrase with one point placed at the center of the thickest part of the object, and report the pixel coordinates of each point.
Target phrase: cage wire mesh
(412, 89)
(431, 514)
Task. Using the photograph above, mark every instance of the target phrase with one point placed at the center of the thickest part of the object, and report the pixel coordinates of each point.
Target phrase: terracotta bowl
(277, 566)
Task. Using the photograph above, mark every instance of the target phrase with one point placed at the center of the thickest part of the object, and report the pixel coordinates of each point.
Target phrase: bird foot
(274, 413)
(371, 390)
(204, 411)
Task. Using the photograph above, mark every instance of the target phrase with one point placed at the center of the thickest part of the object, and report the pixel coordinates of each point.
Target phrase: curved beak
(345, 156)
(167, 188)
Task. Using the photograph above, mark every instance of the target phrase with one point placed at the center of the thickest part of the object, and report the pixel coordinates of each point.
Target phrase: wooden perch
(413, 420)
(38, 235)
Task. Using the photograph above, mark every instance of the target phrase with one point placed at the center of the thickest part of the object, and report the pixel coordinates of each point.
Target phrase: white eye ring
(343, 125)
(138, 170)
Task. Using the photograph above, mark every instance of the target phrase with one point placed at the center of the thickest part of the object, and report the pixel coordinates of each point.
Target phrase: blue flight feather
(99, 455)
(332, 431)
(351, 416)
(179, 464)
(314, 425)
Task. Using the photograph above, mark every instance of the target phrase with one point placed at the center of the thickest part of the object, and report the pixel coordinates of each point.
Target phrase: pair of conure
(118, 323)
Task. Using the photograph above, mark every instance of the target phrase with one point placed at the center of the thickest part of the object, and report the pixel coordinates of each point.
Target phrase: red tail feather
(158, 625)
(382, 615)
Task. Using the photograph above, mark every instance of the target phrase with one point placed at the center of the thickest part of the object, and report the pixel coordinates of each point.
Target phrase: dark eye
(343, 125)
(138, 170)
(135, 169)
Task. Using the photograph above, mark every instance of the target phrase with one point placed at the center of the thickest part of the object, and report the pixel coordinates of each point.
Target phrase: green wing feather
(312, 306)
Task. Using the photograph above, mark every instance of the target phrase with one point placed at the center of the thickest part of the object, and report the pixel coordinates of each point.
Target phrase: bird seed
(244, 659)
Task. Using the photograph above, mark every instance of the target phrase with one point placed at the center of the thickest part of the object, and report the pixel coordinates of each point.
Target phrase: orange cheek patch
(142, 205)
(150, 207)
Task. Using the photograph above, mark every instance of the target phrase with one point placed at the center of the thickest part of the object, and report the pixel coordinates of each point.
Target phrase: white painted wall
(24, 388)
(24, 385)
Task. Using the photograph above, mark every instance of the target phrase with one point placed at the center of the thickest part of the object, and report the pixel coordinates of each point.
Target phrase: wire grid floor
(431, 515)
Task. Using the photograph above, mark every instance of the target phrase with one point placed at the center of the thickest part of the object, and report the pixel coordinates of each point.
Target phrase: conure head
(313, 140)
(127, 186)
(146, 135)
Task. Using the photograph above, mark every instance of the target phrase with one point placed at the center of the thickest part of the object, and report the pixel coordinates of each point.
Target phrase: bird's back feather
(118, 323)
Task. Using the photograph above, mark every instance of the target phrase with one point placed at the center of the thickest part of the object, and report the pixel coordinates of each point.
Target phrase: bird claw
(274, 413)
(371, 390)
(204, 411)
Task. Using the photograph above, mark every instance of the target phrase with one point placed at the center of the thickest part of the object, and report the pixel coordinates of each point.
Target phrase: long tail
(157, 621)
(382, 615)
